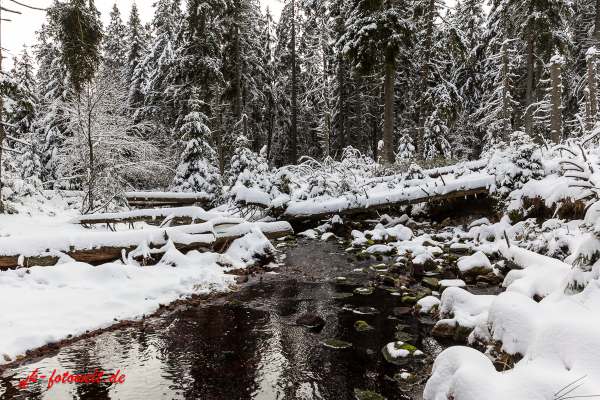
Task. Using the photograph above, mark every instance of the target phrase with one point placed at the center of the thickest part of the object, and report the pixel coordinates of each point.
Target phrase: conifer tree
(378, 35)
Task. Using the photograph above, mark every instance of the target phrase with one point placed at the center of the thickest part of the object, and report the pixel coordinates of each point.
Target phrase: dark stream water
(252, 351)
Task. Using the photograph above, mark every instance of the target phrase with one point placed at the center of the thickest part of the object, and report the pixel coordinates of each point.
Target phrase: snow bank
(40, 305)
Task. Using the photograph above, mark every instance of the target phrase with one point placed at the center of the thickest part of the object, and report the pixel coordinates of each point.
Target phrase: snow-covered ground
(41, 305)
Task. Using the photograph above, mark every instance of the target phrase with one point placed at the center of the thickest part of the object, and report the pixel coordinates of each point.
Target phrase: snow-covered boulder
(477, 264)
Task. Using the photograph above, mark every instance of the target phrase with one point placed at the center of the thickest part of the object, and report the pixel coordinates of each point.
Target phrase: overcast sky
(23, 27)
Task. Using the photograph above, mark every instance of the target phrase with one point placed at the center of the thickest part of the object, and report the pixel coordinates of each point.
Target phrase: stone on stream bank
(457, 332)
(477, 264)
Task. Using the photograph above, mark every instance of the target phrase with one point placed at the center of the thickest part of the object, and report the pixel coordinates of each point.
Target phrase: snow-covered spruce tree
(377, 36)
(52, 91)
(137, 48)
(244, 160)
(514, 167)
(465, 34)
(114, 44)
(316, 46)
(159, 63)
(249, 170)
(496, 111)
(103, 148)
(79, 33)
(15, 102)
(23, 118)
(197, 171)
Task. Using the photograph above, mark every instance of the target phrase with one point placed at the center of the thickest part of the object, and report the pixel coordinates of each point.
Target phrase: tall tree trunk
(326, 112)
(597, 25)
(592, 88)
(2, 132)
(556, 100)
(294, 133)
(270, 135)
(506, 108)
(238, 73)
(388, 116)
(219, 136)
(91, 170)
(358, 114)
(341, 89)
(529, 92)
(425, 78)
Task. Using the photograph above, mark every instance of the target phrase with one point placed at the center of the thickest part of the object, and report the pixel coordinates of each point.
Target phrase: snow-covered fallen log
(319, 208)
(162, 199)
(108, 246)
(155, 216)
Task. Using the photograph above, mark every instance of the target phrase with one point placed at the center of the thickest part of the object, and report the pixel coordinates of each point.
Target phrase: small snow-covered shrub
(515, 166)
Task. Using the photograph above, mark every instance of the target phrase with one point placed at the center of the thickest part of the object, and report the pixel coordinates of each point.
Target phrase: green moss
(341, 295)
(367, 395)
(379, 257)
(380, 267)
(234, 303)
(403, 336)
(409, 300)
(362, 326)
(409, 379)
(336, 343)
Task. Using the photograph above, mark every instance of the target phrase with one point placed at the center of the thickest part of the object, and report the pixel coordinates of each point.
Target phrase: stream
(247, 345)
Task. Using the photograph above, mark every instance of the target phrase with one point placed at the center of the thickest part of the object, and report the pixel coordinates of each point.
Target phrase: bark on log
(165, 199)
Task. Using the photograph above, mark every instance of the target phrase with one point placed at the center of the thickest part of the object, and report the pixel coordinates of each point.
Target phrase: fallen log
(94, 248)
(315, 209)
(163, 199)
(157, 216)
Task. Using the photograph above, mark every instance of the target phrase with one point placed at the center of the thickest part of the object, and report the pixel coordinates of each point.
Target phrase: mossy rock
(290, 237)
(366, 310)
(234, 303)
(409, 299)
(363, 290)
(408, 292)
(413, 353)
(336, 344)
(405, 377)
(425, 291)
(362, 326)
(392, 290)
(452, 257)
(362, 256)
(403, 336)
(379, 257)
(444, 330)
(341, 295)
(461, 333)
(368, 395)
(380, 267)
